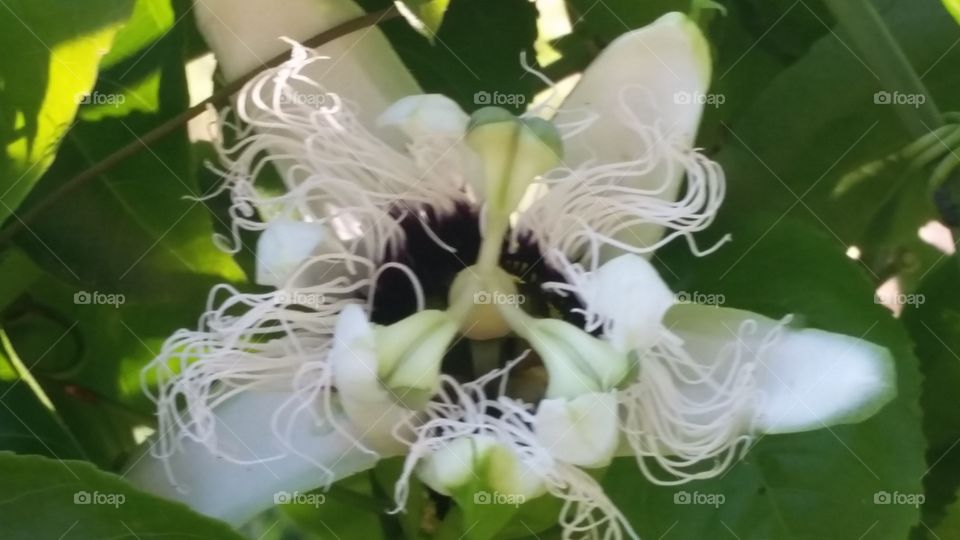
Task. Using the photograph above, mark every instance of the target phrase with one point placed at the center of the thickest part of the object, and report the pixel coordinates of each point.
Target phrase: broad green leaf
(934, 324)
(138, 228)
(131, 260)
(46, 498)
(51, 53)
(829, 483)
(476, 58)
(823, 117)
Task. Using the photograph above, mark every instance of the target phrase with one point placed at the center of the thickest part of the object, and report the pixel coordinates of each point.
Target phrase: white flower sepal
(383, 374)
(582, 431)
(285, 244)
(625, 298)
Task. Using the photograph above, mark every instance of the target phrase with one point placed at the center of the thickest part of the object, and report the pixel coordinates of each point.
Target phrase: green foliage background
(799, 114)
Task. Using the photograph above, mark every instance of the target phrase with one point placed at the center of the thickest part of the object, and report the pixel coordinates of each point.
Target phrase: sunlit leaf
(51, 54)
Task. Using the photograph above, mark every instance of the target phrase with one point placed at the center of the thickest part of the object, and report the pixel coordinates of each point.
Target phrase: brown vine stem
(220, 97)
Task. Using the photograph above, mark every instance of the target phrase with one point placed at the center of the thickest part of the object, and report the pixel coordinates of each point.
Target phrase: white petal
(363, 68)
(805, 379)
(236, 492)
(368, 404)
(627, 298)
(668, 59)
(426, 115)
(653, 76)
(285, 244)
(582, 431)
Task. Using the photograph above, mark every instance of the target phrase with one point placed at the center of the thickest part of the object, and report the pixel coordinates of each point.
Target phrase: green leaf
(138, 228)
(133, 236)
(934, 325)
(45, 498)
(820, 119)
(51, 53)
(818, 484)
